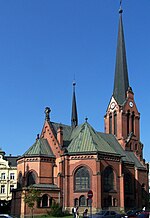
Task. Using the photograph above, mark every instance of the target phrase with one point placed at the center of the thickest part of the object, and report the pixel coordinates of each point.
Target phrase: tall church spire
(74, 116)
(121, 82)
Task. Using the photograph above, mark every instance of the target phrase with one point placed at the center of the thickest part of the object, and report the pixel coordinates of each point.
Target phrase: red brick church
(66, 161)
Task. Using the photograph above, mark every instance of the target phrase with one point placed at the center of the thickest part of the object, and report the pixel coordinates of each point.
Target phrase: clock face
(112, 106)
(131, 104)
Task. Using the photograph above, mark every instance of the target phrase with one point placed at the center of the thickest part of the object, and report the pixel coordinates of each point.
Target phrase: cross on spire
(120, 9)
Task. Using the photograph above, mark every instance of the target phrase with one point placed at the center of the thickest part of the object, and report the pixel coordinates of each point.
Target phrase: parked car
(5, 216)
(143, 214)
(132, 213)
(106, 214)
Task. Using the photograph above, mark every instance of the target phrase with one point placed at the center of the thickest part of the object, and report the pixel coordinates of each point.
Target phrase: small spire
(86, 119)
(37, 137)
(74, 116)
(120, 9)
(47, 112)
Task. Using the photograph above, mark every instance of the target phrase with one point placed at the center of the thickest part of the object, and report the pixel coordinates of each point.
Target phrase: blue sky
(44, 44)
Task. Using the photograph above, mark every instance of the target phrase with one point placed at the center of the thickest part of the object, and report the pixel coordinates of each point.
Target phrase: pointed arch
(31, 178)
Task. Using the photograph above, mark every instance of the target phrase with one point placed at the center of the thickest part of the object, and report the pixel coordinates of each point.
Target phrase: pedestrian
(74, 212)
(85, 213)
(77, 212)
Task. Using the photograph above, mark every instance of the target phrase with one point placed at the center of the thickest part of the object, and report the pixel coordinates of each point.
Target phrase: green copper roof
(67, 130)
(85, 139)
(40, 148)
(121, 82)
(126, 156)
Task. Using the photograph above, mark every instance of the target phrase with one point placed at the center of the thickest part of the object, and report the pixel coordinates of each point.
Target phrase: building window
(76, 202)
(31, 178)
(2, 189)
(110, 123)
(115, 123)
(82, 201)
(12, 176)
(82, 179)
(3, 177)
(127, 183)
(45, 201)
(11, 188)
(108, 179)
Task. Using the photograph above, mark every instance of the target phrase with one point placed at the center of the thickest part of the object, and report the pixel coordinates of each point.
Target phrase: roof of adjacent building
(46, 186)
(12, 160)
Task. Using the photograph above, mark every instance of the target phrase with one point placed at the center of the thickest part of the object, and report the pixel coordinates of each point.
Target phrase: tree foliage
(31, 196)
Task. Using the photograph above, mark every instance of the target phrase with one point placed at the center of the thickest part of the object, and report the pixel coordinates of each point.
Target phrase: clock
(131, 104)
(112, 106)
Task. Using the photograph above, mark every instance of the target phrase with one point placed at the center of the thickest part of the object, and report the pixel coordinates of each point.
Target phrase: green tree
(31, 196)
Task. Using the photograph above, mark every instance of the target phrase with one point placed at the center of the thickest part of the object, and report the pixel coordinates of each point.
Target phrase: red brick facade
(68, 161)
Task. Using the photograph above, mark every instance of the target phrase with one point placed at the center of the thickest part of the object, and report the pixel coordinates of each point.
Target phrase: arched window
(108, 179)
(115, 123)
(45, 201)
(82, 201)
(132, 122)
(82, 179)
(128, 119)
(76, 202)
(127, 183)
(31, 178)
(110, 123)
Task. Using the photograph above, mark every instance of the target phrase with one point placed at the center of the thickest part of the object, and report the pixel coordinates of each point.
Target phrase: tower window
(132, 125)
(115, 123)
(128, 118)
(110, 123)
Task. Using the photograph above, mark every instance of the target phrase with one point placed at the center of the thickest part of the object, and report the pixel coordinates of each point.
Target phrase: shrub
(56, 210)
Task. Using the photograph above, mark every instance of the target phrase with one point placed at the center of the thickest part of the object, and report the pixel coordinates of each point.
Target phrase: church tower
(122, 116)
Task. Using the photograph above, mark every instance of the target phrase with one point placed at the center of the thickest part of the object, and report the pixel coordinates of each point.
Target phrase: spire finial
(74, 84)
(47, 112)
(120, 9)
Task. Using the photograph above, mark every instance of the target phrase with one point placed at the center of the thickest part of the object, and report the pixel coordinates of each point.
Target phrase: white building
(8, 176)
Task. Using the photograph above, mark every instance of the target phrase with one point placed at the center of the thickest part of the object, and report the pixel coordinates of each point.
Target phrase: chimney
(60, 135)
